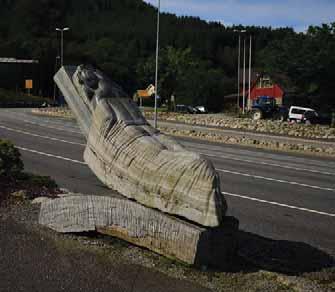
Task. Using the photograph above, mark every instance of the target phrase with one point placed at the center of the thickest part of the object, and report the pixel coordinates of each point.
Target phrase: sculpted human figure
(131, 157)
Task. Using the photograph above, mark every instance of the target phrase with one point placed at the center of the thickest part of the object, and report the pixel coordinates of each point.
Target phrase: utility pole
(157, 55)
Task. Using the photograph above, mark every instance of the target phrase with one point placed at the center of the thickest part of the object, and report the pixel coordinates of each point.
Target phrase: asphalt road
(283, 197)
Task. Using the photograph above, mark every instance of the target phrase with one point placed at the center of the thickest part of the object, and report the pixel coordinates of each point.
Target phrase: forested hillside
(198, 59)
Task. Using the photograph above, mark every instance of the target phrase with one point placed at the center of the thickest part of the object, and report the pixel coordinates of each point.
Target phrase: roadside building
(262, 84)
(144, 96)
(16, 72)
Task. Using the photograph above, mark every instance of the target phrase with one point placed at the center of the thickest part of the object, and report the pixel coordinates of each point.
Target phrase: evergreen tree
(198, 59)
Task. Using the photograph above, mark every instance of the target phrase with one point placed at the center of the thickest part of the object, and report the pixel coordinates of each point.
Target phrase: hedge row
(12, 99)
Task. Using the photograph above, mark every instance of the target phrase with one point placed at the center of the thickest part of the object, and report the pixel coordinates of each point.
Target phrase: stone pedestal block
(142, 226)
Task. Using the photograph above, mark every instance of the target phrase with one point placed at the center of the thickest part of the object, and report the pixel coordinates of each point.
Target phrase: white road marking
(224, 193)
(51, 155)
(52, 127)
(54, 122)
(40, 136)
(206, 154)
(45, 119)
(278, 204)
(268, 164)
(276, 180)
(220, 170)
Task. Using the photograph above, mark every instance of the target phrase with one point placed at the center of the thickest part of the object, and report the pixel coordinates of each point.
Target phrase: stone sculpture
(130, 156)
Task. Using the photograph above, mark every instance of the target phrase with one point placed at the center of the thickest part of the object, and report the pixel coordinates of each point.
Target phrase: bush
(11, 164)
(14, 181)
(36, 186)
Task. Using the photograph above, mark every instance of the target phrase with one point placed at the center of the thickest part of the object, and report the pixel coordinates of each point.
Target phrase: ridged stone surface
(133, 158)
(140, 225)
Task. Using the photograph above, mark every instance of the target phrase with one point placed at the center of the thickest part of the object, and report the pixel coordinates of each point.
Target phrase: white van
(302, 114)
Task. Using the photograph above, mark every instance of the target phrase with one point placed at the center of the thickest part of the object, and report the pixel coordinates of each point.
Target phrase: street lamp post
(249, 94)
(238, 72)
(157, 53)
(244, 53)
(239, 65)
(62, 43)
(55, 87)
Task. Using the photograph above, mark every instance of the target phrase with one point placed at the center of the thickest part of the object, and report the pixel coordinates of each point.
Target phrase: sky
(298, 14)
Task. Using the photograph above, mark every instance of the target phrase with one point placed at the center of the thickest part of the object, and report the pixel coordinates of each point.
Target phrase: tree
(190, 79)
(308, 62)
(198, 59)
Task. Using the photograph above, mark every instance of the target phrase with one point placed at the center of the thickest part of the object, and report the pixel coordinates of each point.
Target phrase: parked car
(187, 109)
(192, 110)
(303, 115)
(201, 109)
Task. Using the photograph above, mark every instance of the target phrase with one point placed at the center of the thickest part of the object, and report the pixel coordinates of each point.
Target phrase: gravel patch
(261, 126)
(93, 262)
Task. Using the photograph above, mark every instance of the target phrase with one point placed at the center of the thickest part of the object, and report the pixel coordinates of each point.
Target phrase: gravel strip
(325, 133)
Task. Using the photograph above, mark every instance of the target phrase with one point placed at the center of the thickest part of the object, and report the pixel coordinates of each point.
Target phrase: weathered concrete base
(142, 226)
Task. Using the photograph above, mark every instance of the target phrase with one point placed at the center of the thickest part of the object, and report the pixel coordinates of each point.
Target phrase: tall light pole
(244, 53)
(238, 72)
(55, 87)
(156, 74)
(62, 43)
(249, 94)
(239, 65)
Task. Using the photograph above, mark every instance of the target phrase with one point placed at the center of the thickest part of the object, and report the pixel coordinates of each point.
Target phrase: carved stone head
(96, 85)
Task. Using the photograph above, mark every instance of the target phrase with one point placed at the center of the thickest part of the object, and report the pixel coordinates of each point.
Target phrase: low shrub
(14, 182)
(11, 167)
(36, 186)
(11, 164)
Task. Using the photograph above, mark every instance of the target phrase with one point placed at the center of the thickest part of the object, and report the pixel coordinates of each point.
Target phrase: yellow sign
(29, 84)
